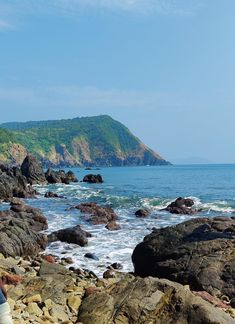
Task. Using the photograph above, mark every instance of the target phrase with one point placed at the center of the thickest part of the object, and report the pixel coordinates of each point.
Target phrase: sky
(164, 68)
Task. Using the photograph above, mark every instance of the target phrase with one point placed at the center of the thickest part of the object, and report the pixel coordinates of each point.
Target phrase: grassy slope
(104, 136)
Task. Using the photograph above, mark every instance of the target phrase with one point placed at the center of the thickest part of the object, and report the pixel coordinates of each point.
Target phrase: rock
(33, 309)
(181, 206)
(142, 213)
(14, 184)
(97, 214)
(49, 258)
(93, 178)
(91, 256)
(199, 252)
(33, 170)
(75, 235)
(116, 266)
(109, 274)
(50, 194)
(113, 226)
(149, 300)
(60, 176)
(68, 260)
(19, 229)
(74, 303)
(32, 299)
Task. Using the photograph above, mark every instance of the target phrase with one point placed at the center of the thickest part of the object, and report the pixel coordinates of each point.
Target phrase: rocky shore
(183, 274)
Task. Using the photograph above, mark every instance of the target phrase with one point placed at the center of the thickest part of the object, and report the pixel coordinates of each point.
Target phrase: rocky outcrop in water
(181, 206)
(75, 235)
(50, 194)
(33, 170)
(97, 214)
(60, 176)
(14, 184)
(93, 178)
(149, 300)
(19, 230)
(142, 213)
(199, 252)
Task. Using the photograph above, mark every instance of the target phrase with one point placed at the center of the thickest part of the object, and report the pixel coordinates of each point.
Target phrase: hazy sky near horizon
(165, 68)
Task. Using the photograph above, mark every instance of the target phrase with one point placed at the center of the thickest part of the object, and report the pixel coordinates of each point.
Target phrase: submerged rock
(74, 235)
(93, 178)
(50, 194)
(149, 300)
(181, 206)
(113, 226)
(199, 252)
(142, 213)
(97, 214)
(91, 256)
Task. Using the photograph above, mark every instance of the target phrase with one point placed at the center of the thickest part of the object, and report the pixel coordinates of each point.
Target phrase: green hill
(86, 141)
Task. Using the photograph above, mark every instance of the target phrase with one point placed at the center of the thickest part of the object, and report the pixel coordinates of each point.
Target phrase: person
(5, 311)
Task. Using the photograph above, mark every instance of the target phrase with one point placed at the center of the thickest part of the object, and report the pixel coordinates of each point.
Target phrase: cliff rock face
(87, 141)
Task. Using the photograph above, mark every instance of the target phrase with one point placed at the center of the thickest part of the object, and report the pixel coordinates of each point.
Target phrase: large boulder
(19, 231)
(181, 206)
(14, 184)
(33, 170)
(93, 178)
(199, 252)
(97, 214)
(149, 300)
(74, 235)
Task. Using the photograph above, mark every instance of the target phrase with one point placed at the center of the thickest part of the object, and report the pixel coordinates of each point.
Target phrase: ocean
(127, 189)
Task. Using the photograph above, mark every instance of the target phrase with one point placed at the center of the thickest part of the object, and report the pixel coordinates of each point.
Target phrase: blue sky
(165, 68)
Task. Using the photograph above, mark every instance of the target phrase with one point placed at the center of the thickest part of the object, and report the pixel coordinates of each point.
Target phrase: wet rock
(14, 184)
(19, 231)
(50, 194)
(60, 176)
(67, 260)
(109, 274)
(93, 178)
(149, 300)
(181, 206)
(199, 252)
(33, 170)
(113, 226)
(97, 214)
(142, 213)
(75, 235)
(116, 266)
(91, 256)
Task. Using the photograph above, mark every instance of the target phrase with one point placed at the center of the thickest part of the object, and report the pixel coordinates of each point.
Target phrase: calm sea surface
(126, 189)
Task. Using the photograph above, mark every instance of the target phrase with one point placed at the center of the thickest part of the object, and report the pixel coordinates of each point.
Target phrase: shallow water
(126, 189)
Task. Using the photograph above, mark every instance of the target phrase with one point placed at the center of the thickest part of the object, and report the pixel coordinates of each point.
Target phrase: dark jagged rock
(14, 184)
(93, 178)
(97, 214)
(60, 176)
(50, 194)
(33, 170)
(115, 266)
(199, 252)
(74, 235)
(19, 229)
(149, 300)
(113, 226)
(142, 213)
(181, 206)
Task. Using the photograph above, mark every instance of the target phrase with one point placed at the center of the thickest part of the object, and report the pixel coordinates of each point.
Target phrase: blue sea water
(126, 189)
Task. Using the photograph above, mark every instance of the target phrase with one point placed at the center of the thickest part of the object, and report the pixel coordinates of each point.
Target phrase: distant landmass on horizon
(85, 141)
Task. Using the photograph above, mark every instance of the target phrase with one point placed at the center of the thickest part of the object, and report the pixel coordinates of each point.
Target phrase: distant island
(85, 141)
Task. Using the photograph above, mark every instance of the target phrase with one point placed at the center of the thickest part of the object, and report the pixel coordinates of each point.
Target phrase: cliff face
(86, 141)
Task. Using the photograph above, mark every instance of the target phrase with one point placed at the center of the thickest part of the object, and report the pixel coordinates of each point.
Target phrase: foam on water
(125, 198)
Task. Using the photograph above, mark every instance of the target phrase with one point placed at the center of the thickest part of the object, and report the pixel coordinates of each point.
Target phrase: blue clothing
(2, 297)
